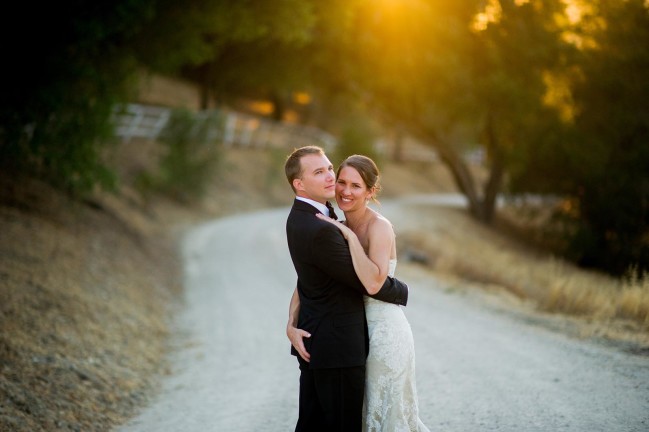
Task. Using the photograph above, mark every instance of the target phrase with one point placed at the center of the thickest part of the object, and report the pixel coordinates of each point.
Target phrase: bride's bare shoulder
(380, 222)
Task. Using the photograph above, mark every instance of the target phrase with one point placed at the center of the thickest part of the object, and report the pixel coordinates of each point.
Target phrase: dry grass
(86, 295)
(164, 91)
(633, 299)
(457, 246)
(89, 288)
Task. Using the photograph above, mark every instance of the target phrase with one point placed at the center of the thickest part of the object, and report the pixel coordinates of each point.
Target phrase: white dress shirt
(323, 208)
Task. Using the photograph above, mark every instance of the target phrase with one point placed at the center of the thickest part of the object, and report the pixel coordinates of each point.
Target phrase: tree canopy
(554, 91)
(598, 156)
(74, 61)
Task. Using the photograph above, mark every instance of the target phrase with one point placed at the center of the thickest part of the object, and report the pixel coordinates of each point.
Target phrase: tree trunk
(279, 105)
(205, 85)
(496, 173)
(481, 207)
(458, 167)
(463, 177)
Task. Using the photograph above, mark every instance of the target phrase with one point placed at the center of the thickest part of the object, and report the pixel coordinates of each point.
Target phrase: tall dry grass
(633, 299)
(455, 244)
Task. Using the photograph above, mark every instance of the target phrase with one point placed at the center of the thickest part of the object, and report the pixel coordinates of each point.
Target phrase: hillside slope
(89, 288)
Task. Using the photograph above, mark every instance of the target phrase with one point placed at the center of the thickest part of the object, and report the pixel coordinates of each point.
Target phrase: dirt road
(478, 368)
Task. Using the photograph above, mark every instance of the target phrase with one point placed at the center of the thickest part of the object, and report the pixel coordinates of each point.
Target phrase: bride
(390, 393)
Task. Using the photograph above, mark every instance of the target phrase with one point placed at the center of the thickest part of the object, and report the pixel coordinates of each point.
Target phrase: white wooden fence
(140, 121)
(243, 130)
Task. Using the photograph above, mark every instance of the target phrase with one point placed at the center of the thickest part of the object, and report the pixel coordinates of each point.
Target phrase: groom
(327, 326)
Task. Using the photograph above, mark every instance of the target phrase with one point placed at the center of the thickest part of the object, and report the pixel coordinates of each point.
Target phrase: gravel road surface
(478, 368)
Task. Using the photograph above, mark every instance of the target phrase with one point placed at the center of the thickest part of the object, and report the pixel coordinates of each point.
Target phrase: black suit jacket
(331, 295)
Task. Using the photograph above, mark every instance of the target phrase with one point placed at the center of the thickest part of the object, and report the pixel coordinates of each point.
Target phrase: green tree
(189, 158)
(254, 49)
(82, 59)
(598, 158)
(64, 80)
(435, 71)
(61, 84)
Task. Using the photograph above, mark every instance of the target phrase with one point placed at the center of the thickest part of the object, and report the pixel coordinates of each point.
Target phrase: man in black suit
(327, 326)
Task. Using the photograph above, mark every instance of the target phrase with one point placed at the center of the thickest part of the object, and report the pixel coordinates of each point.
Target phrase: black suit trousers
(331, 399)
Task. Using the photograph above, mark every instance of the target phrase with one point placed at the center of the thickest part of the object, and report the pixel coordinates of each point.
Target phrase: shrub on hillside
(190, 155)
(358, 136)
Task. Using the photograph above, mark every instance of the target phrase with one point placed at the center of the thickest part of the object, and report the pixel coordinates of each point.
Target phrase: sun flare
(491, 14)
(580, 23)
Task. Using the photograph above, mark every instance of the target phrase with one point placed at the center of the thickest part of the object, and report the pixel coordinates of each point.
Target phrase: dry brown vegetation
(457, 247)
(88, 289)
(86, 295)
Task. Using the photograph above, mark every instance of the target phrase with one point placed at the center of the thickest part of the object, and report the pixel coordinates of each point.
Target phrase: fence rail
(237, 129)
(140, 121)
(245, 130)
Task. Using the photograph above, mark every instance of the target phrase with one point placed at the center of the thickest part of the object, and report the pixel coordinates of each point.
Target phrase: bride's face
(351, 191)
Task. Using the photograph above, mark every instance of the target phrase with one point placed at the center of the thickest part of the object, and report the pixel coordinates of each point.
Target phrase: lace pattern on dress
(390, 390)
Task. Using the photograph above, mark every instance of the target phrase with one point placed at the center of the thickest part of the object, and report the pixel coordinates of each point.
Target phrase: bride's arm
(372, 270)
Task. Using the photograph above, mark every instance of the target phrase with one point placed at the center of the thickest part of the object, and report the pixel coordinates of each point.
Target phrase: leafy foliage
(191, 154)
(358, 136)
(424, 69)
(559, 105)
(254, 50)
(61, 86)
(82, 59)
(598, 158)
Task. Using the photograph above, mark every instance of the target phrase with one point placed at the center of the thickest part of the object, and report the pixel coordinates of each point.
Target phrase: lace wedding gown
(390, 393)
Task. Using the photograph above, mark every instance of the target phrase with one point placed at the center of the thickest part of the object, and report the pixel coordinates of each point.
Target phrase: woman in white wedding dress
(390, 392)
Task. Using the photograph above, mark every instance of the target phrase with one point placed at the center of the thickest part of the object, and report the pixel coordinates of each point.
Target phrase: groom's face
(318, 179)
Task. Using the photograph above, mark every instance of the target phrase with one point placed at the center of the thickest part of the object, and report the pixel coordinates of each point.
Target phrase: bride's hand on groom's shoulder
(296, 336)
(342, 227)
(326, 218)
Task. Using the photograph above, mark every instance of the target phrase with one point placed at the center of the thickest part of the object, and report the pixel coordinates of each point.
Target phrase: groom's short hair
(293, 165)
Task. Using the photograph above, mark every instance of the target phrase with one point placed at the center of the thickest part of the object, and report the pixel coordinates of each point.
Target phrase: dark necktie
(332, 213)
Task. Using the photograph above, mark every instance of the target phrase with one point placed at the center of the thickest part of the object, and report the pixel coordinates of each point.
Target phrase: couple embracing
(353, 343)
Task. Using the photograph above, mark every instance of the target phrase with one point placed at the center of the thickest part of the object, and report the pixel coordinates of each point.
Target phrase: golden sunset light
(302, 98)
(491, 14)
(580, 22)
(193, 237)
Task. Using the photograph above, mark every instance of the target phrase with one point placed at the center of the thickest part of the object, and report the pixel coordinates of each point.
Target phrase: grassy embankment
(459, 248)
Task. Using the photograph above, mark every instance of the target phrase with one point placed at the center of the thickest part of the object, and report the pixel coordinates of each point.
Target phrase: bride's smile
(351, 192)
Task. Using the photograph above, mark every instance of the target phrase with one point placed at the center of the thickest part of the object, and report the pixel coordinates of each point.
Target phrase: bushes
(65, 150)
(190, 155)
(61, 84)
(358, 136)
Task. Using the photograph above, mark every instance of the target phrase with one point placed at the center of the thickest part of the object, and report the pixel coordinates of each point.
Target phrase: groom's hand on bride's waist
(296, 336)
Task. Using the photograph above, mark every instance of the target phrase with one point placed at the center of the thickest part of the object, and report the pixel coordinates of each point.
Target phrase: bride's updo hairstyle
(367, 169)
